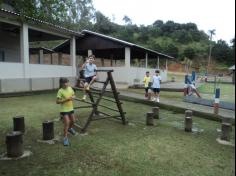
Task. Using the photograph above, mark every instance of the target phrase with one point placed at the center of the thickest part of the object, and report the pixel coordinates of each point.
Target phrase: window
(2, 56)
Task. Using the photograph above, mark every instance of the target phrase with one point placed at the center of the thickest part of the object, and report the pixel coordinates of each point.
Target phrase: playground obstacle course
(14, 142)
(95, 104)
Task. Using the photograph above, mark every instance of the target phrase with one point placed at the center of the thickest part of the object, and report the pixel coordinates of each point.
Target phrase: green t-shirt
(64, 94)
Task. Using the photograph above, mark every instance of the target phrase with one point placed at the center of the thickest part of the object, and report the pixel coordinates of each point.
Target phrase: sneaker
(87, 88)
(65, 141)
(72, 131)
(84, 97)
(153, 99)
(158, 100)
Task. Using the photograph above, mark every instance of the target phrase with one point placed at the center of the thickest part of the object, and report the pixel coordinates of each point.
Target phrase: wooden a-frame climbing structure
(94, 104)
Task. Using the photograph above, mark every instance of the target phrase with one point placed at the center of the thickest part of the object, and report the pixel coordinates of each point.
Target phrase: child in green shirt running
(65, 97)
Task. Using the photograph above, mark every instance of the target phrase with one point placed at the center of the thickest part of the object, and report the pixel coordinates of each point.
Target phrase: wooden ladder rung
(84, 101)
(81, 107)
(107, 117)
(110, 70)
(109, 108)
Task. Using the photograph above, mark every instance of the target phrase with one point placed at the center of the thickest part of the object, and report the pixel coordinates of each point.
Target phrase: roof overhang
(108, 47)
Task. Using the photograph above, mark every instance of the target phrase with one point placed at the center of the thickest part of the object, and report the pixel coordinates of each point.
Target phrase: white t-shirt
(89, 70)
(156, 81)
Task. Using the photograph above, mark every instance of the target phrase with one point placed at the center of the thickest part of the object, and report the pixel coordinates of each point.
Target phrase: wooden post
(226, 120)
(155, 111)
(48, 130)
(149, 119)
(188, 113)
(19, 124)
(14, 143)
(188, 124)
(225, 131)
(188, 120)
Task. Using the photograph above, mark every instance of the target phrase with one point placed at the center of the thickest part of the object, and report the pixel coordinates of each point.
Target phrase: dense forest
(183, 41)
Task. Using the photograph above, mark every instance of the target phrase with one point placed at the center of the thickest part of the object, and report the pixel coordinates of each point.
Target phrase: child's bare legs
(92, 81)
(157, 97)
(66, 125)
(72, 120)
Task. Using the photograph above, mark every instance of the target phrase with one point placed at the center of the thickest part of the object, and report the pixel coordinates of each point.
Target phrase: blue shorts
(156, 90)
(63, 114)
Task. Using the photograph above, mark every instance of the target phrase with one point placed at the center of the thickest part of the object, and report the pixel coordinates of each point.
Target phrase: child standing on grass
(89, 73)
(146, 81)
(156, 86)
(65, 96)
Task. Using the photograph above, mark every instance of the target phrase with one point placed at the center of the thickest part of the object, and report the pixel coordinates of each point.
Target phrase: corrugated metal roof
(126, 43)
(43, 22)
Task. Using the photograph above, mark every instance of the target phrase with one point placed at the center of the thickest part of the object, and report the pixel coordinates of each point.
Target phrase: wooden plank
(82, 107)
(107, 117)
(84, 101)
(109, 70)
(109, 108)
(115, 94)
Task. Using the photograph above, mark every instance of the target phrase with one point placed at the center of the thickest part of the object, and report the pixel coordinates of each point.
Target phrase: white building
(25, 69)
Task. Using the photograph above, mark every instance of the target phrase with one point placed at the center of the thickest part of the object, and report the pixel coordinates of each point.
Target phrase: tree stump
(188, 113)
(48, 130)
(227, 120)
(188, 124)
(155, 111)
(19, 124)
(225, 131)
(149, 119)
(14, 143)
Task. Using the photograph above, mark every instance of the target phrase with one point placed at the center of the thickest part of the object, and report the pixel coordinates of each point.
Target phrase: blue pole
(217, 94)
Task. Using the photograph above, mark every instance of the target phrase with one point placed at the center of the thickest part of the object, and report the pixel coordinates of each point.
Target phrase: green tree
(127, 20)
(172, 50)
(189, 52)
(222, 52)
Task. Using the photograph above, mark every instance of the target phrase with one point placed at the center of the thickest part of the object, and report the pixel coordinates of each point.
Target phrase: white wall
(49, 71)
(127, 75)
(11, 70)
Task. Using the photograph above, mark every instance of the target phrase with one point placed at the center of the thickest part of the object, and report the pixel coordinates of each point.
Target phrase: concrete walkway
(182, 104)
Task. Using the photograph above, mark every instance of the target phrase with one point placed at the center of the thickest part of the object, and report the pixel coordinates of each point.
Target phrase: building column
(146, 60)
(41, 56)
(24, 49)
(73, 54)
(166, 64)
(90, 52)
(127, 57)
(158, 62)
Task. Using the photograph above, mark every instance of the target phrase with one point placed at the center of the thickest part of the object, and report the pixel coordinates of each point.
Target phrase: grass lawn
(112, 149)
(227, 91)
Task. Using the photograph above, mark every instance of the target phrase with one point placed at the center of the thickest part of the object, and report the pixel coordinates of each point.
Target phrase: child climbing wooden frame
(94, 104)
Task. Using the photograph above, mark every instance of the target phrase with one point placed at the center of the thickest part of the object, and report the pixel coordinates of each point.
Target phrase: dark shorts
(146, 89)
(88, 79)
(66, 113)
(156, 90)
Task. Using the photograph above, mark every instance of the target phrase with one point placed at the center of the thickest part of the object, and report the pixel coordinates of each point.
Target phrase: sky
(206, 14)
